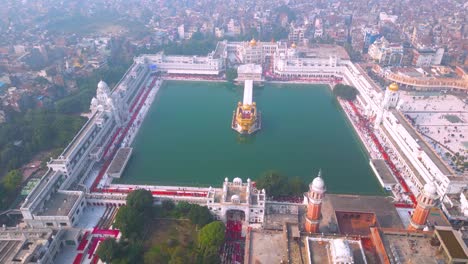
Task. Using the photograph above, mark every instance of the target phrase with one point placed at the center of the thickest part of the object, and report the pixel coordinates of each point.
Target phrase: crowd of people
(193, 77)
(403, 193)
(233, 249)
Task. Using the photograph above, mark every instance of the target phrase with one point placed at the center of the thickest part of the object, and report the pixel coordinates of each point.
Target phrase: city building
(237, 200)
(31, 246)
(249, 72)
(52, 204)
(213, 64)
(297, 35)
(385, 53)
(427, 57)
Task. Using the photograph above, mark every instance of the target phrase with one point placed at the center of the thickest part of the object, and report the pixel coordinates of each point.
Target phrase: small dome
(293, 46)
(237, 180)
(318, 184)
(253, 43)
(226, 179)
(235, 198)
(393, 87)
(430, 189)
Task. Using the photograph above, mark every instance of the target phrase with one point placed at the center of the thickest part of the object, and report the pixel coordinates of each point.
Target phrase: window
(49, 224)
(63, 224)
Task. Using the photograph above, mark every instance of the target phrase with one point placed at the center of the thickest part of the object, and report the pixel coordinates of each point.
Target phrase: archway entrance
(235, 215)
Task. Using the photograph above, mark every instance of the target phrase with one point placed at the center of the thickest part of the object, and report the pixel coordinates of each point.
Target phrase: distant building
(213, 64)
(249, 72)
(385, 53)
(181, 31)
(318, 28)
(296, 34)
(233, 27)
(219, 32)
(370, 36)
(427, 57)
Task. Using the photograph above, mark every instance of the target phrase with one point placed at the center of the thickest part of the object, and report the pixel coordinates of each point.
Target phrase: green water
(186, 138)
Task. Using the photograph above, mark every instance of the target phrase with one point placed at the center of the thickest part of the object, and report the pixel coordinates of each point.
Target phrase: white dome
(235, 198)
(237, 180)
(318, 184)
(430, 189)
(102, 85)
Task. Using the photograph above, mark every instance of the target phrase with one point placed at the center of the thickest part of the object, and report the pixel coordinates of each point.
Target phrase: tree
(231, 74)
(156, 255)
(179, 256)
(211, 256)
(273, 183)
(297, 186)
(211, 237)
(141, 200)
(108, 250)
(200, 215)
(345, 92)
(130, 222)
(12, 180)
(277, 185)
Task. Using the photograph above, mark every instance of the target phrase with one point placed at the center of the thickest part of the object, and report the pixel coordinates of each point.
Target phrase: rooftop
(404, 246)
(452, 244)
(384, 172)
(422, 143)
(119, 161)
(380, 206)
(319, 249)
(267, 247)
(59, 204)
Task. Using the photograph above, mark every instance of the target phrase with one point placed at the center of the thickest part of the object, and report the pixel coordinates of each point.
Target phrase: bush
(278, 185)
(345, 92)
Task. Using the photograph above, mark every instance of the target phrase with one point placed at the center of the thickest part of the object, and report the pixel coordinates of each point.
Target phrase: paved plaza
(441, 118)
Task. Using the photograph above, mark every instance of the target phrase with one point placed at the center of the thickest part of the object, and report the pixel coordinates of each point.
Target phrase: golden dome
(293, 45)
(253, 42)
(393, 87)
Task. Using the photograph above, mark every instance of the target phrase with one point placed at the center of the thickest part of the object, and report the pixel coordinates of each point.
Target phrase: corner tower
(314, 204)
(391, 96)
(426, 201)
(390, 100)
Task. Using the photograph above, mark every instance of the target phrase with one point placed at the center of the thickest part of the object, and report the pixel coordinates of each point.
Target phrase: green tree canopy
(277, 185)
(180, 256)
(130, 222)
(141, 200)
(12, 180)
(273, 183)
(346, 92)
(211, 237)
(200, 215)
(109, 250)
(157, 255)
(231, 74)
